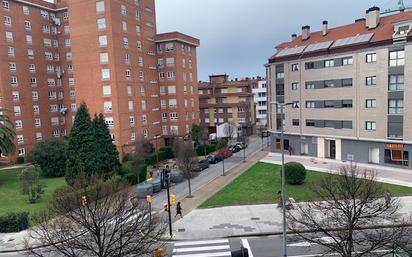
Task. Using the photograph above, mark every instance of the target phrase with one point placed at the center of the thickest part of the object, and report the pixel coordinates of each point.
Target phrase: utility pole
(168, 202)
(283, 181)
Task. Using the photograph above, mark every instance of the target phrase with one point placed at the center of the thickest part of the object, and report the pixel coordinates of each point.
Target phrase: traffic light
(149, 198)
(165, 206)
(172, 199)
(84, 201)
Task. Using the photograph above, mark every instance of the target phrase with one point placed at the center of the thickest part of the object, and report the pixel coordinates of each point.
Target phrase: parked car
(241, 145)
(212, 159)
(225, 153)
(234, 148)
(200, 165)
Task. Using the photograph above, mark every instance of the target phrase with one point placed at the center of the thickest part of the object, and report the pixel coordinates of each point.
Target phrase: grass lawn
(260, 184)
(12, 201)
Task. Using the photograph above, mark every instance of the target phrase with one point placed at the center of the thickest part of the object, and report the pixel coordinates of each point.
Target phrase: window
(36, 109)
(330, 83)
(20, 151)
(139, 45)
(171, 89)
(53, 108)
(140, 61)
(105, 74)
(125, 42)
(13, 80)
(172, 103)
(129, 90)
(347, 104)
(6, 5)
(169, 47)
(310, 104)
(370, 125)
(295, 86)
(347, 61)
(46, 28)
(7, 20)
(131, 120)
(130, 104)
(29, 39)
(280, 75)
(102, 40)
(48, 56)
(396, 58)
(27, 25)
(295, 122)
(124, 26)
(310, 123)
(128, 74)
(9, 36)
(295, 105)
(39, 136)
(12, 66)
(15, 95)
(126, 58)
(138, 30)
(37, 122)
(17, 110)
(18, 124)
(329, 63)
(141, 75)
(295, 67)
(109, 121)
(370, 103)
(171, 75)
(371, 57)
(67, 42)
(35, 95)
(170, 62)
(100, 6)
(10, 51)
(44, 14)
(107, 106)
(71, 82)
(395, 106)
(47, 42)
(396, 83)
(402, 30)
(107, 90)
(101, 24)
(371, 80)
(173, 116)
(309, 65)
(68, 56)
(65, 16)
(72, 93)
(123, 10)
(33, 81)
(104, 57)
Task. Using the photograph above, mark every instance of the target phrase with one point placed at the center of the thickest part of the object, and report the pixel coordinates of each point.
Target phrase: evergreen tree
(80, 152)
(105, 152)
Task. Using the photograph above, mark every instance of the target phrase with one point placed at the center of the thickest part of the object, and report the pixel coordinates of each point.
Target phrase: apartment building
(104, 53)
(347, 91)
(227, 101)
(259, 91)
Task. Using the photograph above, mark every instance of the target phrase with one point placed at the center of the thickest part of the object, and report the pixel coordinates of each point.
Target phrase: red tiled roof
(177, 36)
(383, 32)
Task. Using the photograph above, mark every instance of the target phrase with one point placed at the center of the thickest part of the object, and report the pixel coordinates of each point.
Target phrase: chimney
(305, 32)
(294, 36)
(372, 17)
(324, 28)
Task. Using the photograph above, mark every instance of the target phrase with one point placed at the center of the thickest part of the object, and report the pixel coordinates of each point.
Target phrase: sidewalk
(390, 175)
(240, 221)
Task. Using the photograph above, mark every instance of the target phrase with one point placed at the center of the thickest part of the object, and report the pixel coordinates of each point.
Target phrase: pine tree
(105, 152)
(80, 152)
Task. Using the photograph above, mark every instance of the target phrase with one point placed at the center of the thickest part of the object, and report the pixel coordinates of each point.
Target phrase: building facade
(104, 53)
(348, 89)
(260, 98)
(227, 101)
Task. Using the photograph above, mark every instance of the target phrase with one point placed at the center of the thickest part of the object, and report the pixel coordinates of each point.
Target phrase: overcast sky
(238, 36)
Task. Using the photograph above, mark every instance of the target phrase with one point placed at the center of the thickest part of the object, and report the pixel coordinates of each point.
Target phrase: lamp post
(282, 150)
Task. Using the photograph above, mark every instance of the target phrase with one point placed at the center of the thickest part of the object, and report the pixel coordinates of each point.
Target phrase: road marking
(201, 249)
(220, 241)
(245, 244)
(222, 254)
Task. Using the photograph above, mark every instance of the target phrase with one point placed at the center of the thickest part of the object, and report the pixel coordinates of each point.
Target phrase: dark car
(234, 148)
(200, 165)
(212, 159)
(241, 145)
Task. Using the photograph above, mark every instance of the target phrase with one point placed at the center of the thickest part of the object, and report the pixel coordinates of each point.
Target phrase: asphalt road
(207, 175)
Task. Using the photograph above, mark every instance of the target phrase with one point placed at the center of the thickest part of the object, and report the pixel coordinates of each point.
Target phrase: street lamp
(282, 150)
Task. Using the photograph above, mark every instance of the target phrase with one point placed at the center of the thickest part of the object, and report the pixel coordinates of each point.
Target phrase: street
(207, 175)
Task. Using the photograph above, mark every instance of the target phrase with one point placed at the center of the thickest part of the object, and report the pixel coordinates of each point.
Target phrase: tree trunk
(190, 187)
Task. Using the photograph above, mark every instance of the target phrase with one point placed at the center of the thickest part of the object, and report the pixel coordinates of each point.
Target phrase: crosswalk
(207, 248)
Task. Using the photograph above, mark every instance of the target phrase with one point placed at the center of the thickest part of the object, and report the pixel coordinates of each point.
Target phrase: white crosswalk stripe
(206, 248)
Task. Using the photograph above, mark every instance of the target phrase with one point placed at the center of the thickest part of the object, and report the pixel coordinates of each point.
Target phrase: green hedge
(200, 149)
(14, 222)
(165, 153)
(130, 176)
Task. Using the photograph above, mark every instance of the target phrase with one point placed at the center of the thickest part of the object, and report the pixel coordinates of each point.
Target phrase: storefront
(395, 154)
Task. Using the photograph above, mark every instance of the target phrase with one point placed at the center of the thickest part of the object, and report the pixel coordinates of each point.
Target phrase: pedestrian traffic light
(165, 206)
(84, 200)
(149, 198)
(172, 199)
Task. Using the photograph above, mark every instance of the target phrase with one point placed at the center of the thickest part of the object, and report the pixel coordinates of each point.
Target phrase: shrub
(168, 151)
(295, 173)
(20, 160)
(14, 222)
(200, 149)
(126, 158)
(134, 178)
(51, 155)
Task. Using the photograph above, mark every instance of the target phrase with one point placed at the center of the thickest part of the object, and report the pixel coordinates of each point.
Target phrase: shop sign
(394, 146)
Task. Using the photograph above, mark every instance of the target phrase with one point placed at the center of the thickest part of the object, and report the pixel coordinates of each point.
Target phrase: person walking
(280, 204)
(387, 199)
(179, 210)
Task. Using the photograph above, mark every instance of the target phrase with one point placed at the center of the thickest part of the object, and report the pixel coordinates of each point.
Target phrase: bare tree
(101, 220)
(186, 158)
(350, 215)
(30, 184)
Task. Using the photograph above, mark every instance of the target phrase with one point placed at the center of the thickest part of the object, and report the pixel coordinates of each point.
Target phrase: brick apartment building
(222, 100)
(351, 89)
(106, 53)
